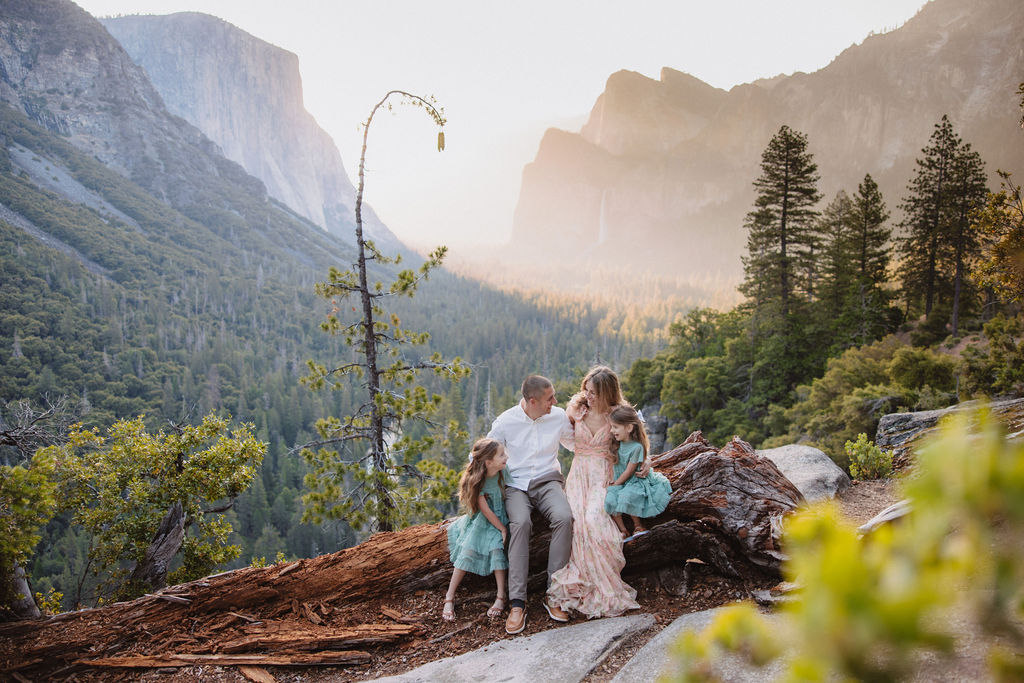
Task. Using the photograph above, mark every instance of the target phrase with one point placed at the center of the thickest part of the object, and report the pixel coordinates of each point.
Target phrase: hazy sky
(506, 71)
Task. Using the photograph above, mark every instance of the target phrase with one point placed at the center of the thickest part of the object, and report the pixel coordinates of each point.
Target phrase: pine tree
(940, 246)
(870, 233)
(781, 233)
(867, 302)
(836, 226)
(924, 209)
(969, 192)
(779, 264)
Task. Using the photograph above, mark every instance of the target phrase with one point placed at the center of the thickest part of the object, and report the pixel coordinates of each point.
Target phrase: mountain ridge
(674, 183)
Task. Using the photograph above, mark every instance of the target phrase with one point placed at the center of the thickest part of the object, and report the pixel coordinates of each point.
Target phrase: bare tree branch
(26, 428)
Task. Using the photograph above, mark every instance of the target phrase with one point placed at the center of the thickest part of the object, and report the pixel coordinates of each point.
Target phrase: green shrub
(867, 460)
(916, 368)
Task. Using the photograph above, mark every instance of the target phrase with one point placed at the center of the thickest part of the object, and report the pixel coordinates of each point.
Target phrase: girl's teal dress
(474, 544)
(646, 497)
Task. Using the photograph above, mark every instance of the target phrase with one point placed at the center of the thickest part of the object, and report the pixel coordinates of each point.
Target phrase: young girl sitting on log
(628, 494)
(476, 541)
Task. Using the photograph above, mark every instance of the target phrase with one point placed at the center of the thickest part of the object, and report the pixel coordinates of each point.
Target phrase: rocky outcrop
(665, 166)
(246, 95)
(656, 426)
(810, 470)
(903, 432)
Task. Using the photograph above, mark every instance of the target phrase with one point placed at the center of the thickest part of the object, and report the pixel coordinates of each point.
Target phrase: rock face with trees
(725, 510)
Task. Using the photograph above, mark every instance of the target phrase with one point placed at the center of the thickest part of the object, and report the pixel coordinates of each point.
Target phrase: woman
(590, 583)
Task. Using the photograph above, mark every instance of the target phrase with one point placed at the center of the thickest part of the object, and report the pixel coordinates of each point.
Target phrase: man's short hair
(534, 386)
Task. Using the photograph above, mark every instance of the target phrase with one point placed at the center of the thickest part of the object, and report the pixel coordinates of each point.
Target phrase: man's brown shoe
(516, 621)
(555, 613)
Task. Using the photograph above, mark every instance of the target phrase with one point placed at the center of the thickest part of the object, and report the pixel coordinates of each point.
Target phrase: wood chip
(309, 614)
(446, 636)
(399, 617)
(288, 569)
(171, 598)
(251, 620)
(255, 673)
(223, 623)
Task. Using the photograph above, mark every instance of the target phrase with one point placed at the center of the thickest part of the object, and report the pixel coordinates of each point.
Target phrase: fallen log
(184, 659)
(725, 510)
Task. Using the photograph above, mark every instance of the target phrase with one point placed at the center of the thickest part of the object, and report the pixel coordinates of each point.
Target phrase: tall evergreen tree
(868, 300)
(924, 208)
(969, 192)
(939, 244)
(836, 227)
(779, 262)
(871, 235)
(780, 226)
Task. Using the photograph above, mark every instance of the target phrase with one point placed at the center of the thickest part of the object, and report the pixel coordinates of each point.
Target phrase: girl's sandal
(448, 611)
(497, 608)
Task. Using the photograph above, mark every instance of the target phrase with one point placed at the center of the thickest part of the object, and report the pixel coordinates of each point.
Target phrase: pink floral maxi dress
(590, 583)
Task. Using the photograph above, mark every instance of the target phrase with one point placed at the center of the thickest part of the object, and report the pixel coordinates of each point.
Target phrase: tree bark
(24, 605)
(725, 510)
(152, 570)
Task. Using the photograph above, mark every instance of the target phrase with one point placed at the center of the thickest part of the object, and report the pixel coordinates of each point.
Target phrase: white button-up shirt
(531, 445)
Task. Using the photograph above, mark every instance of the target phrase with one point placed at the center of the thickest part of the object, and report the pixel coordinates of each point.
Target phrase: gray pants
(547, 495)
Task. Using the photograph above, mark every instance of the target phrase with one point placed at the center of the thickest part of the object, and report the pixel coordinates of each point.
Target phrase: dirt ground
(472, 629)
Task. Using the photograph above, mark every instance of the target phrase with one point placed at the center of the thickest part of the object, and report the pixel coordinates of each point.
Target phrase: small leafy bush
(867, 460)
(50, 603)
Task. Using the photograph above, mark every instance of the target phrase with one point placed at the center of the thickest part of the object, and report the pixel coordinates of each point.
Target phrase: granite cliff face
(64, 71)
(664, 168)
(246, 95)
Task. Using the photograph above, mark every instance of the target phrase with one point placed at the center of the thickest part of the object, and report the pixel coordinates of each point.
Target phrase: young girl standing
(628, 494)
(476, 541)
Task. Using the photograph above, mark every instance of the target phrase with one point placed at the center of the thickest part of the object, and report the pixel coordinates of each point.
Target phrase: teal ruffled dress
(474, 544)
(639, 497)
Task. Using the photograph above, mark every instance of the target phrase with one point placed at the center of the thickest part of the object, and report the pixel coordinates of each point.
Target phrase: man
(531, 432)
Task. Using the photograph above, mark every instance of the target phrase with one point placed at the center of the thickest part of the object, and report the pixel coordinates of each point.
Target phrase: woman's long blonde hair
(606, 385)
(626, 415)
(472, 480)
